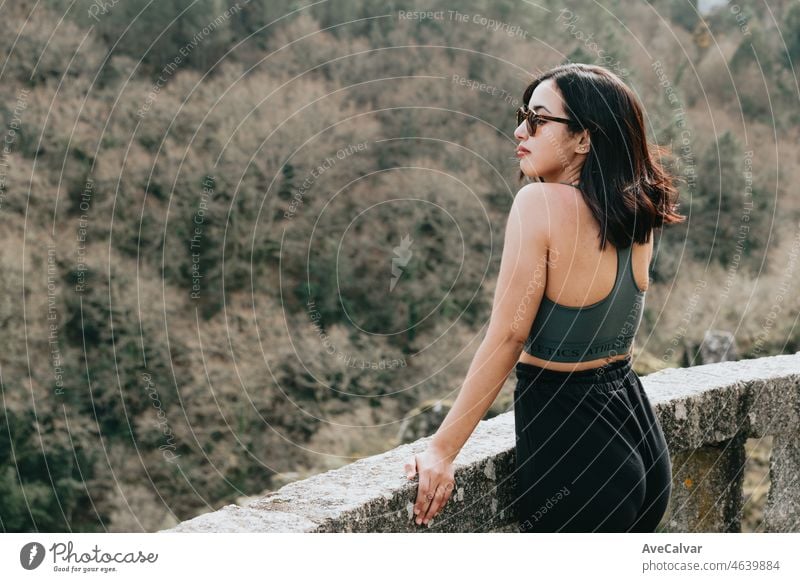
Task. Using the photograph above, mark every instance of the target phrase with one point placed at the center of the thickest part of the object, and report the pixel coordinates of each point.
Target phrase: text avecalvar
(671, 549)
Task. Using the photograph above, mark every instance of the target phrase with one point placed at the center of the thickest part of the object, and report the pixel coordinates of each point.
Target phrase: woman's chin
(527, 168)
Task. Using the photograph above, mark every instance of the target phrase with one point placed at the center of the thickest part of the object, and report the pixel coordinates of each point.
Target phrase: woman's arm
(520, 286)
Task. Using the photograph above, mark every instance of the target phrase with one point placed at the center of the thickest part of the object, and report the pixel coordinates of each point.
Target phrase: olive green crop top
(561, 333)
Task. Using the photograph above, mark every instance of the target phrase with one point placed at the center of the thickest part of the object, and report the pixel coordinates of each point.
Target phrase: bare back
(578, 273)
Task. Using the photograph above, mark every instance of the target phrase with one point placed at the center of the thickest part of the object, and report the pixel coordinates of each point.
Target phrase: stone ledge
(709, 405)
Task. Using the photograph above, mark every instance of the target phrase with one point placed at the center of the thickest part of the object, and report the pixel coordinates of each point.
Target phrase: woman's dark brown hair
(622, 180)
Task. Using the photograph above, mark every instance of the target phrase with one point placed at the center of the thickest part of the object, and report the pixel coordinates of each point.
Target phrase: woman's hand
(436, 482)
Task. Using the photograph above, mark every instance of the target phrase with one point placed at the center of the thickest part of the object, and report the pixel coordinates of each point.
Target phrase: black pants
(590, 454)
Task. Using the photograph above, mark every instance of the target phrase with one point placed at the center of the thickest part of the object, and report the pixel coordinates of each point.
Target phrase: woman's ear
(584, 143)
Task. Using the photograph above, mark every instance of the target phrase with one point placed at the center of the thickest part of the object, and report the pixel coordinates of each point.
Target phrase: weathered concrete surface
(706, 412)
(782, 513)
(707, 488)
(374, 495)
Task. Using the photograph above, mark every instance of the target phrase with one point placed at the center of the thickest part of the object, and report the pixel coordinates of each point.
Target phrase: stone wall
(707, 413)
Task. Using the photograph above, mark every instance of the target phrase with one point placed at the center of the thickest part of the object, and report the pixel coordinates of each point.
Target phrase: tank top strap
(625, 258)
(623, 264)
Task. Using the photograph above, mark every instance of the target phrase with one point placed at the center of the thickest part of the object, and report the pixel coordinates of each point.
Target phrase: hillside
(245, 242)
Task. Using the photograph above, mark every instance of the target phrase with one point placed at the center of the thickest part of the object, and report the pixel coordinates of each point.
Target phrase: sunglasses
(534, 119)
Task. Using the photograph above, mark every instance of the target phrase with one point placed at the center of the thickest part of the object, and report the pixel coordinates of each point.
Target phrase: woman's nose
(520, 132)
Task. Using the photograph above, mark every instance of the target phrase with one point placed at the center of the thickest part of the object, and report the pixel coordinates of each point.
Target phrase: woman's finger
(443, 495)
(424, 490)
(451, 488)
(448, 493)
(436, 504)
(411, 468)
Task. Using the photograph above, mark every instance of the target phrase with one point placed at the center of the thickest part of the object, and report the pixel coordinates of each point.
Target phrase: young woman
(590, 453)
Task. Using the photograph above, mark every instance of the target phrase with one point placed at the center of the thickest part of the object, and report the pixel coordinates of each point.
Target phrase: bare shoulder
(533, 214)
(545, 204)
(553, 197)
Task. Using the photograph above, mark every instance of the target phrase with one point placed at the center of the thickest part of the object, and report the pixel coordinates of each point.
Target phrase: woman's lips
(522, 152)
